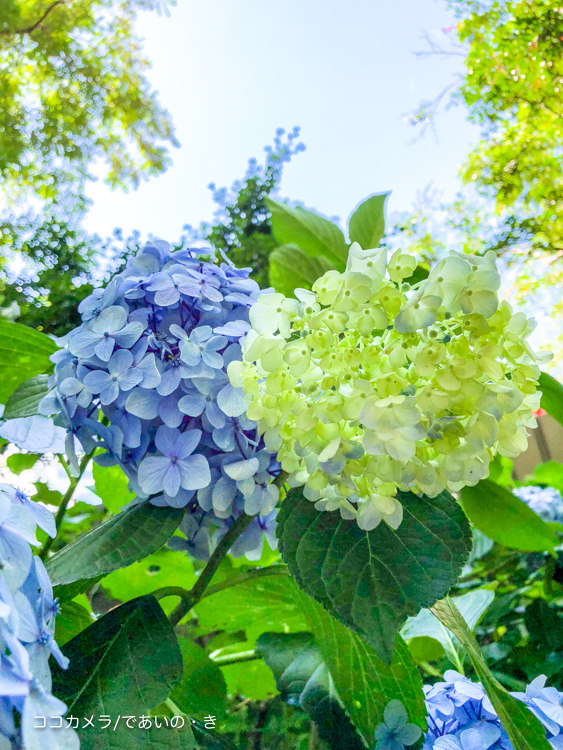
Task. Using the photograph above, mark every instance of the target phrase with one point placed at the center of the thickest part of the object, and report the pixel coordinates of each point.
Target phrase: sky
(232, 71)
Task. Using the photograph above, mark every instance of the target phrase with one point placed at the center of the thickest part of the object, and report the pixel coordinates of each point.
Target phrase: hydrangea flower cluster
(545, 501)
(27, 626)
(144, 377)
(368, 384)
(461, 717)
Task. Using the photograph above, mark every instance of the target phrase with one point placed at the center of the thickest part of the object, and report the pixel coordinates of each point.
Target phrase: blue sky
(232, 71)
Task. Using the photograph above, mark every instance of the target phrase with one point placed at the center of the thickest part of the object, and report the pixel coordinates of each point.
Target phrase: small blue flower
(104, 332)
(395, 733)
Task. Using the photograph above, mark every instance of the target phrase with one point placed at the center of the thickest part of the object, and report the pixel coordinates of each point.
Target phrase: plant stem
(170, 591)
(242, 656)
(548, 575)
(74, 482)
(196, 592)
(429, 669)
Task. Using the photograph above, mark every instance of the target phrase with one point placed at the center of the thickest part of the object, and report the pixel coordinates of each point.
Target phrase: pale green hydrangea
(366, 384)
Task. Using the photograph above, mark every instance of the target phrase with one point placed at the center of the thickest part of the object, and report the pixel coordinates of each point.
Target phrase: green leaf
(472, 607)
(303, 680)
(47, 496)
(126, 663)
(524, 730)
(202, 690)
(291, 268)
(505, 518)
(364, 683)
(126, 538)
(24, 353)
(250, 679)
(310, 231)
(367, 223)
(550, 473)
(72, 620)
(24, 401)
(259, 604)
(163, 568)
(19, 462)
(372, 581)
(70, 591)
(552, 396)
(111, 487)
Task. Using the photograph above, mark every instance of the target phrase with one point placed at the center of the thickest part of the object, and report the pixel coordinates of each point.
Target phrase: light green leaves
(126, 663)
(372, 581)
(24, 353)
(291, 268)
(111, 487)
(364, 683)
(126, 538)
(25, 400)
(367, 223)
(202, 689)
(302, 679)
(505, 518)
(310, 231)
(552, 396)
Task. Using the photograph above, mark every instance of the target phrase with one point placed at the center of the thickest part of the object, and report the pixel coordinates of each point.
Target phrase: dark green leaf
(72, 620)
(367, 223)
(310, 231)
(111, 487)
(202, 690)
(505, 518)
(291, 268)
(69, 591)
(372, 581)
(24, 353)
(364, 683)
(552, 396)
(126, 663)
(303, 680)
(126, 538)
(24, 401)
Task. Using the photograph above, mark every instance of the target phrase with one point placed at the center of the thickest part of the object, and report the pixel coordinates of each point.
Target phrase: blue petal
(232, 401)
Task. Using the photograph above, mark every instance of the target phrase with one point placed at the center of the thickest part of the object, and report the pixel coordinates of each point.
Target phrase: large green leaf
(550, 473)
(71, 620)
(250, 679)
(310, 231)
(303, 679)
(255, 605)
(372, 581)
(367, 223)
(111, 487)
(552, 396)
(524, 730)
(24, 352)
(25, 400)
(505, 518)
(364, 683)
(202, 689)
(125, 664)
(126, 538)
(471, 606)
(291, 268)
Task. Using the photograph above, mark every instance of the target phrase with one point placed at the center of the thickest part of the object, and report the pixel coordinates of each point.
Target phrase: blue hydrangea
(395, 733)
(461, 717)
(545, 501)
(27, 627)
(145, 378)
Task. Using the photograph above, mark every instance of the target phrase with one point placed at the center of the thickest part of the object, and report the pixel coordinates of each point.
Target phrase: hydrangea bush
(27, 627)
(368, 383)
(144, 377)
(545, 501)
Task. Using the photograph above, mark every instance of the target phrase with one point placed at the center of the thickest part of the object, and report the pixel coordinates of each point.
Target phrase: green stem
(196, 592)
(170, 591)
(548, 576)
(242, 656)
(429, 669)
(74, 482)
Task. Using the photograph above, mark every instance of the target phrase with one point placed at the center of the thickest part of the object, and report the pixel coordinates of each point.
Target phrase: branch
(197, 590)
(37, 24)
(74, 482)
